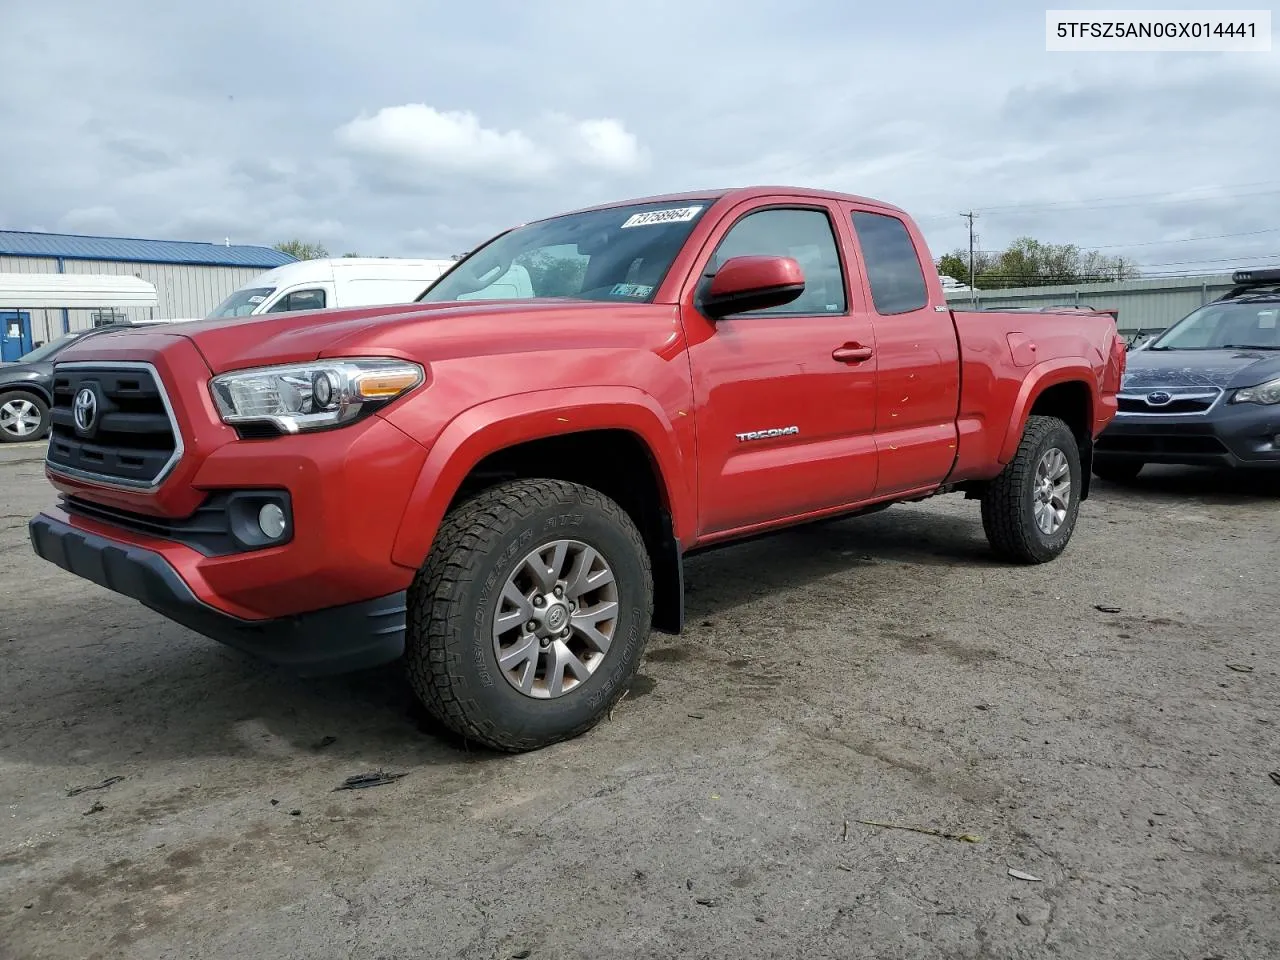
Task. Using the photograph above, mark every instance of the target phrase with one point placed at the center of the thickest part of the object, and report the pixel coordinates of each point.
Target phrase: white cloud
(417, 136)
(404, 143)
(604, 144)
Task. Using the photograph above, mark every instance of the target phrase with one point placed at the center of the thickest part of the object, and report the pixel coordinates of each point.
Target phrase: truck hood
(1150, 369)
(416, 331)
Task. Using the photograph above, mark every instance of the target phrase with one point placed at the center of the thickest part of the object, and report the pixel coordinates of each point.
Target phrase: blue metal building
(190, 278)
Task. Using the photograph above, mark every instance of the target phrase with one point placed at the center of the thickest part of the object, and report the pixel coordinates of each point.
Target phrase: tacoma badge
(766, 434)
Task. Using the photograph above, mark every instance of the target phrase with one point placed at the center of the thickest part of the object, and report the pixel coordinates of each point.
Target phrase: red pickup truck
(499, 482)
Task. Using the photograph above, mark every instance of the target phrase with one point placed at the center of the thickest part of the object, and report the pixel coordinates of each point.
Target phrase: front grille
(126, 435)
(1181, 401)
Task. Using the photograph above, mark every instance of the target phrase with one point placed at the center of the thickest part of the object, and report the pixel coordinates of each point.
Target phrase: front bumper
(1229, 435)
(340, 639)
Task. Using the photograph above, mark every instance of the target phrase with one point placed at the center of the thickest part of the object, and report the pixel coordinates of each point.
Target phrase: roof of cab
(737, 194)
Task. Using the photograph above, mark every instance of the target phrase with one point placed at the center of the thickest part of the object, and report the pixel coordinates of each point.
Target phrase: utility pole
(971, 216)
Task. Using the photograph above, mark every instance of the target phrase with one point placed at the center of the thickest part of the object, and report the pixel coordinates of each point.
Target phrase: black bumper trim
(335, 640)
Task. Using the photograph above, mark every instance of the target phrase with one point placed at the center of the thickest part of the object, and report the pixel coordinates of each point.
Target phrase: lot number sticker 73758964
(670, 215)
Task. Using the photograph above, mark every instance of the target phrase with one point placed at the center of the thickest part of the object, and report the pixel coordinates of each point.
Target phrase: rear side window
(805, 236)
(892, 264)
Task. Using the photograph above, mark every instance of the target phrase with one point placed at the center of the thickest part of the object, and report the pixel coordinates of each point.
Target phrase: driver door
(785, 396)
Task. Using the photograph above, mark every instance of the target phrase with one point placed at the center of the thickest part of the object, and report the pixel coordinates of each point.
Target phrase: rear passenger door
(785, 427)
(918, 370)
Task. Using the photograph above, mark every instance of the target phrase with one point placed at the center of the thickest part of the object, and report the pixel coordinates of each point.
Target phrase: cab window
(805, 236)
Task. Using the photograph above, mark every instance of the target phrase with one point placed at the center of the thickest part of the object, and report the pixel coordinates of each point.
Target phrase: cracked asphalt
(881, 669)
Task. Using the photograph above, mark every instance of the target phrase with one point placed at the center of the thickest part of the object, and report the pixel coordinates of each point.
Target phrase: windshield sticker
(1267, 319)
(671, 215)
(638, 290)
(256, 299)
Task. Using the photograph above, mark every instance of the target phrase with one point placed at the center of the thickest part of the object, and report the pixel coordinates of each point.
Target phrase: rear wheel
(529, 618)
(23, 416)
(1116, 471)
(1029, 511)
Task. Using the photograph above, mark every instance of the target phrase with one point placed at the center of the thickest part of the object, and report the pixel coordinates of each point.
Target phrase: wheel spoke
(586, 623)
(546, 573)
(1059, 466)
(1062, 495)
(589, 573)
(560, 659)
(508, 619)
(525, 649)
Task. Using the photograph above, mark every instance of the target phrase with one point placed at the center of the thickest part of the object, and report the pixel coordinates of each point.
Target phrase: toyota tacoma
(498, 484)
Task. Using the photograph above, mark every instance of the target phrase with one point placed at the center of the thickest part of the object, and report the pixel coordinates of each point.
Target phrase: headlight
(312, 396)
(1268, 392)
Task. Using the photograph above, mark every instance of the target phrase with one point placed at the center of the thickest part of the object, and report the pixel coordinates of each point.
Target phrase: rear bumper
(1235, 436)
(339, 639)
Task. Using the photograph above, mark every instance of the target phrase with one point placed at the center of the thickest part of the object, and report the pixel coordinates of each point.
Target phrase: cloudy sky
(402, 128)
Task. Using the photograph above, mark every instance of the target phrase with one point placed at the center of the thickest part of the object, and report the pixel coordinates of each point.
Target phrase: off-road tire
(1008, 503)
(42, 408)
(1115, 470)
(449, 654)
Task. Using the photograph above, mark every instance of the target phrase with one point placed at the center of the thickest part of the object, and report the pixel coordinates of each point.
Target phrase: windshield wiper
(1250, 346)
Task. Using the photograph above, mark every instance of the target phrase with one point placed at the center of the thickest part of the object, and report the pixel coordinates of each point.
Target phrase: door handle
(852, 353)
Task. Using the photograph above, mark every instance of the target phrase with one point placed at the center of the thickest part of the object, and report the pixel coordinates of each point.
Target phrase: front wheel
(24, 416)
(529, 618)
(1029, 511)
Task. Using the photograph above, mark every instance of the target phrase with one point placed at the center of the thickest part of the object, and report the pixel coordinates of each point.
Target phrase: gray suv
(1206, 391)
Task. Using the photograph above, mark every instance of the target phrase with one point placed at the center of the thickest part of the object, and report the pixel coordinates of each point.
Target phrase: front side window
(803, 235)
(241, 303)
(1225, 326)
(299, 300)
(893, 266)
(619, 254)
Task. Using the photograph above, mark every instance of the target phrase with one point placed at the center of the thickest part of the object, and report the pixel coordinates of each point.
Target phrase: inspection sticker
(671, 215)
(639, 290)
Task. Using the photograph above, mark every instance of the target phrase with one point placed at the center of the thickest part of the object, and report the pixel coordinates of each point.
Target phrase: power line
(1157, 243)
(1164, 196)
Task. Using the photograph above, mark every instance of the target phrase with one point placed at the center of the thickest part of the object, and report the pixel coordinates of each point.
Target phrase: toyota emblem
(85, 409)
(1159, 398)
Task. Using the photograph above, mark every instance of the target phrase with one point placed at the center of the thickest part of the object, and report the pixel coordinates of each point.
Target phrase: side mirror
(752, 283)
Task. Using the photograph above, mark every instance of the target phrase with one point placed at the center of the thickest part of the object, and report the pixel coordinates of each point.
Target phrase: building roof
(19, 243)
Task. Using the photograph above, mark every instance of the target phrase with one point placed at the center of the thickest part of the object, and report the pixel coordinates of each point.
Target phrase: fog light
(271, 521)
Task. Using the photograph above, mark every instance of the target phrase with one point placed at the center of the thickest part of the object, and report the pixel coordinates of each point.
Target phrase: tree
(1028, 262)
(301, 250)
(956, 264)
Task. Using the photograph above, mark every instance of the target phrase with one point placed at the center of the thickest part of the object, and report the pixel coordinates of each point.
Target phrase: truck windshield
(1231, 325)
(619, 254)
(241, 303)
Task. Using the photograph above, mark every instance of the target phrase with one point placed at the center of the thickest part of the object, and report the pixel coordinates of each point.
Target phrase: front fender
(495, 425)
(1040, 378)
